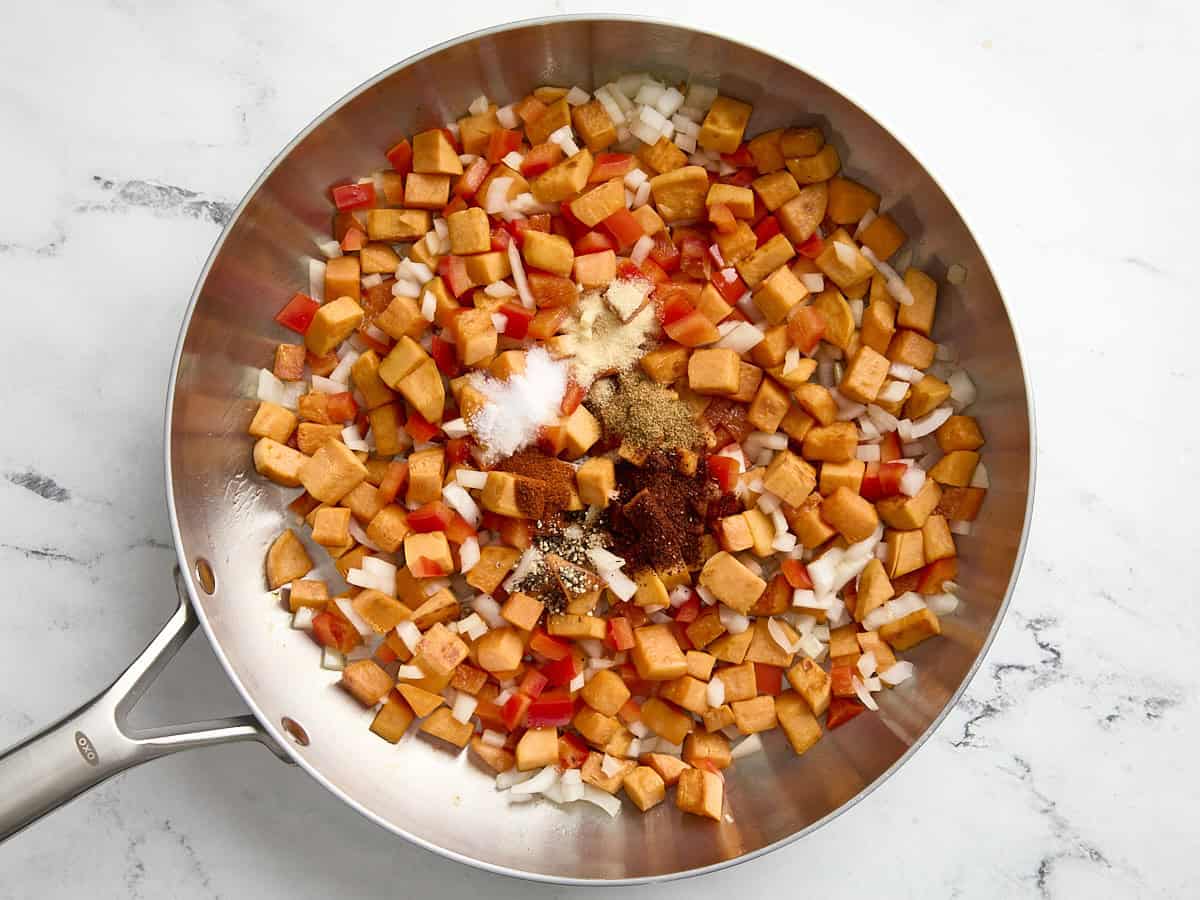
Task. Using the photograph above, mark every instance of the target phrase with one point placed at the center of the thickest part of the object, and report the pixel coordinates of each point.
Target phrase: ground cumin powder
(643, 413)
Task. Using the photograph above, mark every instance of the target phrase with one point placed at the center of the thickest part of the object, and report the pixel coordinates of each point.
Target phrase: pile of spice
(642, 413)
(609, 331)
(557, 567)
(557, 477)
(658, 517)
(517, 408)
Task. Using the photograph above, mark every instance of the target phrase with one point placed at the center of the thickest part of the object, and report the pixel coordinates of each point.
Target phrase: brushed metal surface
(224, 513)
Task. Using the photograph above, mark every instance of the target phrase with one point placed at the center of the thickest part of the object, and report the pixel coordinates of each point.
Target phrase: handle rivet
(294, 730)
(205, 575)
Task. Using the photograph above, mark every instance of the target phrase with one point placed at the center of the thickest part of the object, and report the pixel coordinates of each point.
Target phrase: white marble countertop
(1068, 136)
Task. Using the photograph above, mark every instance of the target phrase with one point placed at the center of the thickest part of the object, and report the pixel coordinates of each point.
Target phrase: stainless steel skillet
(224, 516)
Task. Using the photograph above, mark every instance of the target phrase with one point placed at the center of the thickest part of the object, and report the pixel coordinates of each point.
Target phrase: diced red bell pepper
(724, 471)
(796, 574)
(456, 204)
(741, 157)
(502, 142)
(664, 252)
(335, 633)
(341, 407)
(552, 710)
(653, 272)
(551, 648)
(546, 323)
(673, 307)
(766, 229)
(384, 654)
(572, 398)
(469, 181)
(400, 156)
(541, 158)
(354, 240)
(607, 166)
(433, 516)
(693, 330)
(424, 567)
(689, 610)
(620, 634)
(882, 480)
(637, 686)
(806, 327)
(812, 247)
(514, 711)
(742, 177)
(419, 429)
(393, 481)
(559, 672)
(722, 218)
(769, 679)
(453, 270)
(459, 529)
(550, 291)
(458, 451)
(517, 320)
(841, 711)
(935, 575)
(533, 683)
(354, 196)
(382, 348)
(842, 680)
(694, 259)
(624, 227)
(500, 238)
(297, 314)
(593, 242)
(889, 447)
(572, 751)
(446, 357)
(516, 533)
(729, 284)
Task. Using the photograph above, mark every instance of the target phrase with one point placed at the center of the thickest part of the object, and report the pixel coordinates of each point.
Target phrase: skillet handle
(93, 743)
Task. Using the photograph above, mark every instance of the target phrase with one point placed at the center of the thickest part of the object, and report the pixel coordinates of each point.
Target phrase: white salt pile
(518, 407)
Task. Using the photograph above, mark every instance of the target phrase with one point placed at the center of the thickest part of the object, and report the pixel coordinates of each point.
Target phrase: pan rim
(278, 735)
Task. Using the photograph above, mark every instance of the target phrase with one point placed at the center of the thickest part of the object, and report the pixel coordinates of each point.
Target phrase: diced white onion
(844, 252)
(410, 634)
(464, 707)
(960, 527)
(493, 738)
(895, 284)
(642, 197)
(518, 271)
(473, 625)
(471, 479)
(352, 439)
(732, 621)
(332, 660)
(505, 780)
(610, 765)
(706, 596)
(346, 607)
(497, 195)
(898, 672)
(641, 249)
(538, 783)
(715, 692)
(931, 422)
(741, 338)
(507, 116)
(468, 552)
(814, 281)
(602, 799)
(330, 249)
(791, 360)
(942, 604)
(500, 290)
(750, 745)
(462, 503)
(868, 217)
(302, 619)
(783, 542)
(863, 694)
(479, 105)
(866, 664)
(513, 160)
(322, 385)
(956, 274)
(406, 287)
(867, 452)
(962, 389)
(776, 630)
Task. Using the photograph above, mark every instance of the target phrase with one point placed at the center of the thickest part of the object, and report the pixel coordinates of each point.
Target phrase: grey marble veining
(130, 132)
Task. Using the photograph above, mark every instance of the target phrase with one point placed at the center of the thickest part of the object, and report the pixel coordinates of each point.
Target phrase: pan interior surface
(228, 515)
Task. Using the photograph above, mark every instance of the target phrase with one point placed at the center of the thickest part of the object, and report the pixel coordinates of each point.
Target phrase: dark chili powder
(658, 517)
